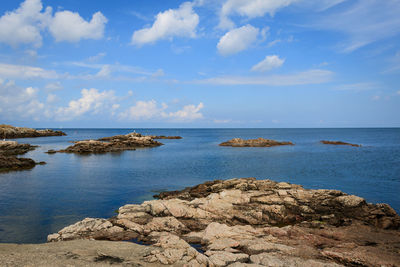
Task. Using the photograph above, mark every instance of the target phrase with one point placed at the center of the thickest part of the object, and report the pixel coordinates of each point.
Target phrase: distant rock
(116, 143)
(165, 137)
(249, 222)
(259, 142)
(338, 143)
(11, 132)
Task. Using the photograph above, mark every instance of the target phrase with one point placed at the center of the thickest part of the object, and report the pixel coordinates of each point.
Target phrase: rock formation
(116, 143)
(10, 132)
(8, 159)
(259, 142)
(338, 143)
(165, 137)
(249, 222)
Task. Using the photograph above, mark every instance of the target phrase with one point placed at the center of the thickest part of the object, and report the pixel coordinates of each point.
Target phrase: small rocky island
(116, 143)
(241, 222)
(8, 156)
(338, 143)
(259, 142)
(11, 132)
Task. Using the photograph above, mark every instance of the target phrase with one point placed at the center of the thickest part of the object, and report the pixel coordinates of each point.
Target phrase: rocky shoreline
(8, 156)
(249, 222)
(11, 132)
(259, 142)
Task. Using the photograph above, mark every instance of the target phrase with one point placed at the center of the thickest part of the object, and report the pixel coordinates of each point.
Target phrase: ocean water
(40, 201)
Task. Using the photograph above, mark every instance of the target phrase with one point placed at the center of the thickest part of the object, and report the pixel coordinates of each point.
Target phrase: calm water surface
(71, 187)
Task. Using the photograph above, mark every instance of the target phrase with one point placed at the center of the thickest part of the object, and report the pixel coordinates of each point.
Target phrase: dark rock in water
(165, 137)
(9, 163)
(262, 222)
(10, 132)
(260, 142)
(338, 143)
(8, 148)
(116, 143)
(51, 151)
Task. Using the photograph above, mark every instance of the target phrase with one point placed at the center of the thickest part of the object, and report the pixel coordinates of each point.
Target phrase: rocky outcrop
(111, 144)
(134, 134)
(259, 142)
(8, 159)
(10, 132)
(256, 222)
(8, 148)
(338, 143)
(165, 137)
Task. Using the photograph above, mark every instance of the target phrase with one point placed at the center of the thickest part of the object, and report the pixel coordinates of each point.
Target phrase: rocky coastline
(116, 143)
(11, 132)
(8, 156)
(250, 222)
(325, 142)
(259, 142)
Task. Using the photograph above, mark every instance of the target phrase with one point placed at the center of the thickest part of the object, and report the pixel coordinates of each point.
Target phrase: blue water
(71, 187)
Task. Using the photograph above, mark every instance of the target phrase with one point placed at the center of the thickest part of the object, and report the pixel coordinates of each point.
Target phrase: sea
(69, 188)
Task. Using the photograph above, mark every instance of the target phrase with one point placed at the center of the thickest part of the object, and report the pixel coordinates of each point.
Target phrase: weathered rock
(14, 163)
(240, 221)
(165, 137)
(338, 143)
(259, 142)
(10, 132)
(8, 148)
(116, 143)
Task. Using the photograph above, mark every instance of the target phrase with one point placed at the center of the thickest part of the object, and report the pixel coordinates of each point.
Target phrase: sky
(200, 63)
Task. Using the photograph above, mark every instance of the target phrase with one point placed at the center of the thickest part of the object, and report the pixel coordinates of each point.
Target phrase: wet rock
(165, 137)
(260, 142)
(338, 143)
(14, 163)
(11, 132)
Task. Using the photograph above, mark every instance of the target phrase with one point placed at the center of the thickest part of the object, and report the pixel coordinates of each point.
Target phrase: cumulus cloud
(70, 26)
(26, 24)
(146, 110)
(18, 102)
(11, 71)
(237, 40)
(316, 76)
(173, 22)
(92, 101)
(187, 113)
(269, 63)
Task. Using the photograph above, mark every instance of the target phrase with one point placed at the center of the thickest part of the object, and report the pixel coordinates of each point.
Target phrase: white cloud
(237, 40)
(53, 86)
(92, 101)
(269, 63)
(173, 22)
(26, 24)
(23, 25)
(364, 22)
(146, 110)
(307, 77)
(71, 27)
(104, 72)
(143, 110)
(357, 86)
(51, 98)
(97, 57)
(187, 113)
(398, 92)
(249, 9)
(17, 102)
(11, 71)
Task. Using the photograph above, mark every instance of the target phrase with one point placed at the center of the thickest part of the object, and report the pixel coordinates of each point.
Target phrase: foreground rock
(338, 143)
(10, 132)
(76, 253)
(260, 142)
(256, 222)
(8, 148)
(116, 143)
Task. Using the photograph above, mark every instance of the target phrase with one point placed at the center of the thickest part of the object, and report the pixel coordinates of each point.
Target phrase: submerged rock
(259, 142)
(8, 131)
(254, 222)
(338, 143)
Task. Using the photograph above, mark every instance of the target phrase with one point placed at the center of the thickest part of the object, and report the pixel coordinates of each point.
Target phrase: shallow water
(71, 187)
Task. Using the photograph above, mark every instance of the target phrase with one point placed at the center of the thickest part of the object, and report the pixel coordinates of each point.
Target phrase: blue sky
(201, 63)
